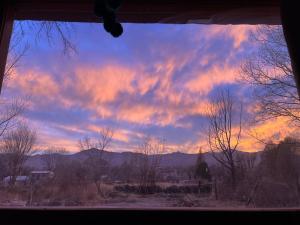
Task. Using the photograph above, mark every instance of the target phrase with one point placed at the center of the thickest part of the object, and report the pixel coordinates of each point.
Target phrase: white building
(20, 180)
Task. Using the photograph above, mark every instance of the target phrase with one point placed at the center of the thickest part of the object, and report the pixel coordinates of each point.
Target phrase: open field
(121, 200)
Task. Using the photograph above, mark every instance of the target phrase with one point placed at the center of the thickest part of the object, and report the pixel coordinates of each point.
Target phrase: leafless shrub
(272, 194)
(97, 166)
(70, 174)
(86, 143)
(51, 157)
(148, 161)
(18, 144)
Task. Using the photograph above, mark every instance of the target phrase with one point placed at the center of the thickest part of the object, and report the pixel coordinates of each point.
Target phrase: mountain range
(175, 159)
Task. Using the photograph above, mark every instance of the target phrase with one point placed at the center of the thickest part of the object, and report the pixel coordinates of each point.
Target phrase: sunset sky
(155, 80)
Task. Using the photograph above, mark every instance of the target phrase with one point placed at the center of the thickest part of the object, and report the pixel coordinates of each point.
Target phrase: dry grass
(87, 195)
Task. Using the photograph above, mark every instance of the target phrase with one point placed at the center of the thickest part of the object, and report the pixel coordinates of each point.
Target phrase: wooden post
(290, 17)
(6, 25)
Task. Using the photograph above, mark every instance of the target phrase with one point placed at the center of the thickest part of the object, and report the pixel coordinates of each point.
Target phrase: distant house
(20, 180)
(34, 177)
(40, 175)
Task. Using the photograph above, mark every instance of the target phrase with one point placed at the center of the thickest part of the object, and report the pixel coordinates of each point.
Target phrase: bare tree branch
(223, 140)
(148, 162)
(95, 161)
(51, 157)
(63, 29)
(269, 71)
(9, 113)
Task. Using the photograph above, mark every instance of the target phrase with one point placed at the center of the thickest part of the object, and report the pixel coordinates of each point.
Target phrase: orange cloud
(203, 83)
(275, 129)
(97, 87)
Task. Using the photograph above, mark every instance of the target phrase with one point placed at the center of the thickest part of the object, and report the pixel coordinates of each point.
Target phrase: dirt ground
(165, 200)
(114, 199)
(142, 201)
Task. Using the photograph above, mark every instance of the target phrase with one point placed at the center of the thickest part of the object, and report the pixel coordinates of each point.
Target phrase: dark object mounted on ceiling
(106, 9)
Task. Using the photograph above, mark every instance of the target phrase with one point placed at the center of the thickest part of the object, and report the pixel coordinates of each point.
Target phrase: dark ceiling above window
(155, 11)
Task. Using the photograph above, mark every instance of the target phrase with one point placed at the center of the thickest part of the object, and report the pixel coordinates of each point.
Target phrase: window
(163, 116)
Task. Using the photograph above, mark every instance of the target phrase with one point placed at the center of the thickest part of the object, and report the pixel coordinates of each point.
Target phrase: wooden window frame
(289, 17)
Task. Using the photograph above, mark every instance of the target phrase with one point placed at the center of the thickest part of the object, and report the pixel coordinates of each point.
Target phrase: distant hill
(175, 159)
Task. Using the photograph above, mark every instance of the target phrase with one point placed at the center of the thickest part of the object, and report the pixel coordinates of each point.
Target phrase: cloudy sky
(155, 80)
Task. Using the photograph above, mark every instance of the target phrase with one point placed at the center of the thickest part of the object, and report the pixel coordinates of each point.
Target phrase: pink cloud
(204, 82)
(36, 83)
(104, 84)
(137, 113)
(239, 33)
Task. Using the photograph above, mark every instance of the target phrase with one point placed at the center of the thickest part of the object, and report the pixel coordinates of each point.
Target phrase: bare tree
(224, 133)
(9, 111)
(17, 49)
(104, 139)
(148, 162)
(18, 144)
(100, 143)
(269, 71)
(62, 29)
(19, 46)
(247, 161)
(86, 143)
(51, 157)
(96, 164)
(50, 29)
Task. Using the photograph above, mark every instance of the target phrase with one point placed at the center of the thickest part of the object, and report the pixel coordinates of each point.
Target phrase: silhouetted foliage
(3, 168)
(281, 161)
(201, 168)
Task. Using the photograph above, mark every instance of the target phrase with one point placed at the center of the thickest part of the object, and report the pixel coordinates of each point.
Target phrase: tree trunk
(216, 188)
(233, 176)
(98, 186)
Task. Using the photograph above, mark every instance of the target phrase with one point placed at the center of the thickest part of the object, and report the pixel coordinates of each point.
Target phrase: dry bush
(274, 194)
(14, 194)
(17, 145)
(148, 162)
(225, 192)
